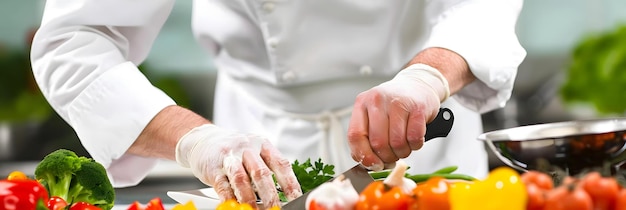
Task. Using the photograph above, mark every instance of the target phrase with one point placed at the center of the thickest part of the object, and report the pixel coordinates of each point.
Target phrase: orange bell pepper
(433, 194)
(379, 195)
(395, 192)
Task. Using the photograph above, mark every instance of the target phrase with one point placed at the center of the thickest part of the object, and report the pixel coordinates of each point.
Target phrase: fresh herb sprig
(311, 175)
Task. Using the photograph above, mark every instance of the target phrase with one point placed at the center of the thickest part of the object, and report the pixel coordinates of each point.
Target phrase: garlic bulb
(336, 195)
(396, 178)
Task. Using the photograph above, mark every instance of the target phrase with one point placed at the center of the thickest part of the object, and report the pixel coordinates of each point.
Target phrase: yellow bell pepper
(502, 189)
(187, 206)
(234, 205)
(17, 175)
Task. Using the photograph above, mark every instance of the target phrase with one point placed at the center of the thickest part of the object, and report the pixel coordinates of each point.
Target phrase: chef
(347, 81)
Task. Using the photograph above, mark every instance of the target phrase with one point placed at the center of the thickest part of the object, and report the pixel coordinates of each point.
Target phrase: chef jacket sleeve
(483, 33)
(85, 56)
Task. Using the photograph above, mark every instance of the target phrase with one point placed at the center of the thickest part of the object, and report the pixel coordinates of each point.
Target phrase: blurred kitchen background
(550, 31)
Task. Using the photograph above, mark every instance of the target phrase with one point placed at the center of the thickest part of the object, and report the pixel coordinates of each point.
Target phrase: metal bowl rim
(533, 132)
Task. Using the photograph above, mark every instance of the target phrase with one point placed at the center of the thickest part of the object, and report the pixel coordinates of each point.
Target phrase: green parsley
(309, 175)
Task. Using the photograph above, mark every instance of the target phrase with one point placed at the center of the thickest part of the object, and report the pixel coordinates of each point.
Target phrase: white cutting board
(205, 198)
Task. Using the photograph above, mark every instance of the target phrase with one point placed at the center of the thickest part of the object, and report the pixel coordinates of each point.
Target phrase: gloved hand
(389, 121)
(237, 164)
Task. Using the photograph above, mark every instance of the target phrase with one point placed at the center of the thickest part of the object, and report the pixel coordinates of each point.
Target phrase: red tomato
(541, 180)
(56, 203)
(83, 206)
(621, 200)
(155, 204)
(536, 197)
(568, 197)
(570, 180)
(603, 191)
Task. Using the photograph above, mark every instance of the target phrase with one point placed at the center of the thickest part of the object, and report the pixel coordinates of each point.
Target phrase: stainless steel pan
(571, 146)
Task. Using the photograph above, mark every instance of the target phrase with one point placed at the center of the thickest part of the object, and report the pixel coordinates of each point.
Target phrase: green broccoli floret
(75, 179)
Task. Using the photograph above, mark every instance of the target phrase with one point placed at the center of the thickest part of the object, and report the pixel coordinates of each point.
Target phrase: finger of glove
(262, 178)
(416, 128)
(223, 189)
(379, 128)
(358, 137)
(398, 122)
(239, 180)
(281, 167)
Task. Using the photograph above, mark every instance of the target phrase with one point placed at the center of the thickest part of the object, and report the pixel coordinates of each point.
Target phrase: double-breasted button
(268, 6)
(366, 70)
(289, 76)
(272, 42)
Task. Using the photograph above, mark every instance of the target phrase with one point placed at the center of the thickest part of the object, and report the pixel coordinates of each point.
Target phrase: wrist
(427, 75)
(163, 132)
(191, 139)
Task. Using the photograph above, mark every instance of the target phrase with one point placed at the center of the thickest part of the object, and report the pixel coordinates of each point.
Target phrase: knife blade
(359, 175)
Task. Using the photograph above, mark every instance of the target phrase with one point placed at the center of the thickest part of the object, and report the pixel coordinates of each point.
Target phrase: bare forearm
(451, 65)
(160, 136)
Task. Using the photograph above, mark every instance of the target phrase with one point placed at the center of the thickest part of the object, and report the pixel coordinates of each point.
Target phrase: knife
(359, 176)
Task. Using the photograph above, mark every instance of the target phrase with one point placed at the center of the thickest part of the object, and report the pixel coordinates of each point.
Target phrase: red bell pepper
(21, 194)
(154, 204)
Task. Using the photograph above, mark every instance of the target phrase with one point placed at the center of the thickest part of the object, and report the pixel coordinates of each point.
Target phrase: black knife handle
(441, 125)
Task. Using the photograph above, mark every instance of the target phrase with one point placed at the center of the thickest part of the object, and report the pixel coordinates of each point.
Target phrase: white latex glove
(389, 120)
(237, 164)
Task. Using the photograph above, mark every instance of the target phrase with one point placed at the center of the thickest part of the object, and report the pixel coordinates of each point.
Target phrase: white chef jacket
(288, 69)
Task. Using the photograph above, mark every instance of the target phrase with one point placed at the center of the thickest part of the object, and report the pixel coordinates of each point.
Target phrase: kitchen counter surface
(164, 169)
(166, 176)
